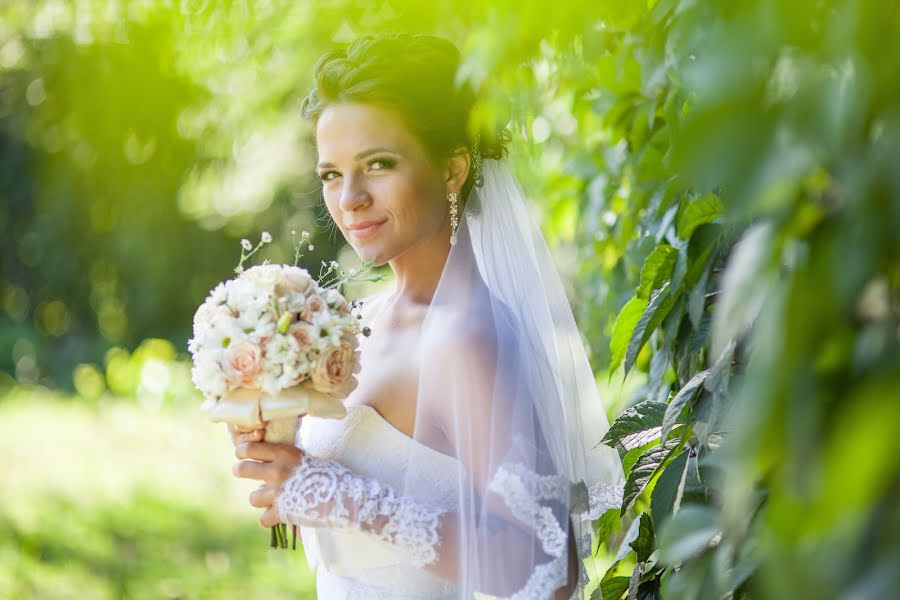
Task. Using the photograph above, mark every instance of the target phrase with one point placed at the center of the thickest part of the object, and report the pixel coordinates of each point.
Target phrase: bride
(469, 461)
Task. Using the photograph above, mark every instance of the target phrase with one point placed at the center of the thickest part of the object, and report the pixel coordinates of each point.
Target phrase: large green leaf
(643, 545)
(623, 328)
(659, 306)
(611, 589)
(688, 533)
(746, 284)
(604, 525)
(684, 395)
(640, 418)
(657, 269)
(669, 489)
(644, 470)
(695, 212)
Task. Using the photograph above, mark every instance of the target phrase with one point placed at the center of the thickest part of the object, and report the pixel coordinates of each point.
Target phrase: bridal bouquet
(272, 344)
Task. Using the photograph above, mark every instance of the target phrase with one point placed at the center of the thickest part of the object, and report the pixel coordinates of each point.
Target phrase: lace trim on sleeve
(323, 493)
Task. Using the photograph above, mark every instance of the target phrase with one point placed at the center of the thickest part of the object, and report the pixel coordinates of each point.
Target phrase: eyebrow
(360, 156)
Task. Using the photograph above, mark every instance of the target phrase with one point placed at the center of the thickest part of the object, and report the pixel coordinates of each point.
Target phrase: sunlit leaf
(644, 470)
(623, 328)
(657, 269)
(659, 306)
(695, 212)
(640, 418)
(675, 406)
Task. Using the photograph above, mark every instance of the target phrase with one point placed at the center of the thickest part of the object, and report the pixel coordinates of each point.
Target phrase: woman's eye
(328, 175)
(381, 163)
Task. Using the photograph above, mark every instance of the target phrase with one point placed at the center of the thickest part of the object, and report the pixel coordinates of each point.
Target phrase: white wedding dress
(355, 564)
(352, 564)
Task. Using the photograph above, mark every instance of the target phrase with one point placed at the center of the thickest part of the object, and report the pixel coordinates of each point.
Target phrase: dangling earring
(454, 218)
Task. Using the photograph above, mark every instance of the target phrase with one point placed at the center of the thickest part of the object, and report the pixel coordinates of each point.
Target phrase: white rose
(263, 277)
(242, 294)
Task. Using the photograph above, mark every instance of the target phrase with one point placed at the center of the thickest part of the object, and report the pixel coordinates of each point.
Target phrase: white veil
(507, 393)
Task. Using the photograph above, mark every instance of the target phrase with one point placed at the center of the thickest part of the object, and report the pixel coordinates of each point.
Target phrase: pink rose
(314, 305)
(242, 364)
(332, 372)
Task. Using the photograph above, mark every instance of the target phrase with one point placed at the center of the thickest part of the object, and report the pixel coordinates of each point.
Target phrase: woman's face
(379, 185)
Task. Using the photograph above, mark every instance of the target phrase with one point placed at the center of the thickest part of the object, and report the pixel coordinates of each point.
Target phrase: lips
(365, 229)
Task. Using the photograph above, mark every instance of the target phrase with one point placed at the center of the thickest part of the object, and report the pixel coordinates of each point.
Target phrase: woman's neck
(418, 270)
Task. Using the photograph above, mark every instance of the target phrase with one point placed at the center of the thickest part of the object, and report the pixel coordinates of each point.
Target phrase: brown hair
(413, 74)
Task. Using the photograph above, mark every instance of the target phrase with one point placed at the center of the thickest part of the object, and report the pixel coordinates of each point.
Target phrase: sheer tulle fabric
(506, 390)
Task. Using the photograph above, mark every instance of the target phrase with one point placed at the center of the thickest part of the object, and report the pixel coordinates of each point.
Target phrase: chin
(372, 254)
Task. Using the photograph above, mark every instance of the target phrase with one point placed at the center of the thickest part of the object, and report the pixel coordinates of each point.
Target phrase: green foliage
(125, 501)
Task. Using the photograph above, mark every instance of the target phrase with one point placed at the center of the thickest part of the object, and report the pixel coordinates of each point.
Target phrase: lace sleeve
(323, 493)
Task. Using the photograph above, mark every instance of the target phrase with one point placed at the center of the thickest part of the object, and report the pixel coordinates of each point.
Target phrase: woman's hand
(271, 464)
(240, 435)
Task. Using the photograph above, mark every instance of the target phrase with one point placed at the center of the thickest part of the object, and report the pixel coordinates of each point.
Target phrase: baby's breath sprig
(247, 249)
(339, 277)
(298, 244)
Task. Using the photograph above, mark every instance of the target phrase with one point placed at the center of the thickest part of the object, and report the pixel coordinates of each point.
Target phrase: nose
(354, 194)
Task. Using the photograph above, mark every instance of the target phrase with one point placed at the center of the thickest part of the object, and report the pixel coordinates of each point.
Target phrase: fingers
(264, 496)
(266, 451)
(252, 436)
(249, 469)
(266, 462)
(269, 518)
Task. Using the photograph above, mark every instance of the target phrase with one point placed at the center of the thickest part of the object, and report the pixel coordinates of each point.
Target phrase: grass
(115, 500)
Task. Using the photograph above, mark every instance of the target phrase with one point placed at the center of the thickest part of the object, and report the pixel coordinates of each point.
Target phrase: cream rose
(332, 372)
(314, 305)
(242, 363)
(295, 279)
(304, 334)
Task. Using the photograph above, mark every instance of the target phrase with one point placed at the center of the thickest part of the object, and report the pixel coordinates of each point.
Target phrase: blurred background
(718, 181)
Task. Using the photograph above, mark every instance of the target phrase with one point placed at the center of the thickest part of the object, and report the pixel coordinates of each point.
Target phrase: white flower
(242, 293)
(207, 376)
(218, 295)
(263, 277)
(246, 245)
(266, 237)
(282, 349)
